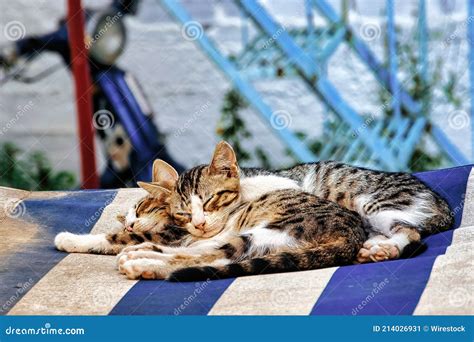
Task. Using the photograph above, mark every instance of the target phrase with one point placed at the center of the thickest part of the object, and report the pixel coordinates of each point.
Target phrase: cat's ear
(224, 161)
(164, 174)
(155, 190)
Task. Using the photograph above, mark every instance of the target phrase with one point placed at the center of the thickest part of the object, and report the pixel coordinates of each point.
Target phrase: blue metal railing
(247, 90)
(389, 142)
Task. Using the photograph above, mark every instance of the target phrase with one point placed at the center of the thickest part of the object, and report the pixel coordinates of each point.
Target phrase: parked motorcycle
(123, 118)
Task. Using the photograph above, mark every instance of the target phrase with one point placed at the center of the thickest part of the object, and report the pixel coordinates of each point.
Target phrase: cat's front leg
(148, 264)
(155, 265)
(140, 254)
(146, 269)
(112, 243)
(83, 243)
(145, 247)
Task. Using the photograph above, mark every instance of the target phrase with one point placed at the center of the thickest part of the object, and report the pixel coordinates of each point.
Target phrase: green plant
(423, 90)
(231, 127)
(31, 171)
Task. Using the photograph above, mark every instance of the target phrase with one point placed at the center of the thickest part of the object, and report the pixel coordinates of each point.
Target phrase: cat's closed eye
(182, 216)
(219, 199)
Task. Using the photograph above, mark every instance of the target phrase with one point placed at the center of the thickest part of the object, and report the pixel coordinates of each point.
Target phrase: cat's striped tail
(298, 260)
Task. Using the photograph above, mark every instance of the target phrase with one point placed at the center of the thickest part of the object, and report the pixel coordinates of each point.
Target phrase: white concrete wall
(183, 84)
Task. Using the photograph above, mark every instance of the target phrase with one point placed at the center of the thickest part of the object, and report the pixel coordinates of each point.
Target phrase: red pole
(83, 87)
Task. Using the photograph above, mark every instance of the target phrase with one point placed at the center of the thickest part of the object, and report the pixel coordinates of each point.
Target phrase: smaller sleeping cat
(236, 232)
(148, 220)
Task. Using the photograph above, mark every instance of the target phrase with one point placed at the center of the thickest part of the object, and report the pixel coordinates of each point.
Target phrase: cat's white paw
(378, 251)
(77, 243)
(67, 242)
(145, 269)
(121, 259)
(140, 254)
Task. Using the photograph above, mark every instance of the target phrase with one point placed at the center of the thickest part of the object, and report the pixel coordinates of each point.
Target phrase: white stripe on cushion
(82, 284)
(292, 293)
(450, 287)
(468, 206)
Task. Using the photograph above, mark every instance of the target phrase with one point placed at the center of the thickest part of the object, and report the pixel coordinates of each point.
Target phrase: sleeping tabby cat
(396, 207)
(237, 229)
(281, 230)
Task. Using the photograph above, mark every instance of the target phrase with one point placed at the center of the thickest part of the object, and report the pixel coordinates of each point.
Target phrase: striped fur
(148, 221)
(371, 192)
(280, 230)
(396, 210)
(302, 231)
(152, 224)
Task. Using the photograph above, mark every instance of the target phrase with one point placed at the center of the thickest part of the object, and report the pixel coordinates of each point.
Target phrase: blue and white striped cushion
(36, 279)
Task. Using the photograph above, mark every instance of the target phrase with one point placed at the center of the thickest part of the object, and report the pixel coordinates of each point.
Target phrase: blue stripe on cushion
(158, 297)
(449, 184)
(394, 287)
(77, 212)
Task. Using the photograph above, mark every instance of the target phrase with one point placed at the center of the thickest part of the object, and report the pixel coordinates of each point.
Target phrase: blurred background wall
(187, 90)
